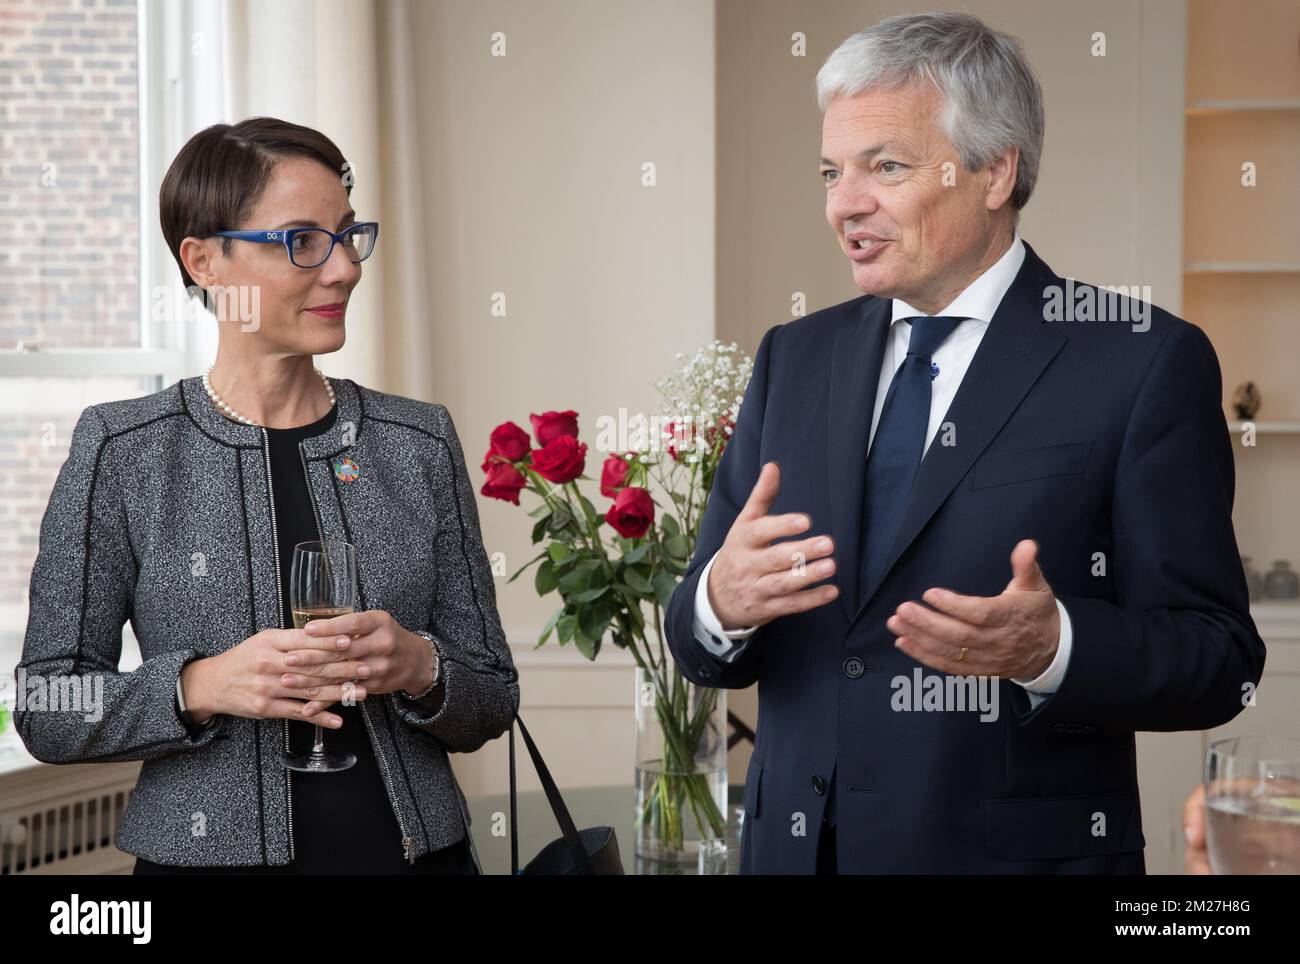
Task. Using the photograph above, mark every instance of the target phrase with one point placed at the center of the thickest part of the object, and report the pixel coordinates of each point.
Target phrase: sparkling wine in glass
(322, 584)
(1252, 805)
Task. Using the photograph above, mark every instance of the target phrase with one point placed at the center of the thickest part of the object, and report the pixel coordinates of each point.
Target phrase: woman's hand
(251, 679)
(394, 658)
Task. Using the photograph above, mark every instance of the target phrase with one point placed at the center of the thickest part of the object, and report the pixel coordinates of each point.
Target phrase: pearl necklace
(231, 413)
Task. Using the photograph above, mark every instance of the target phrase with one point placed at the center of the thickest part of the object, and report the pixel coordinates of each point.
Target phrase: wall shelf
(1278, 620)
(1279, 426)
(1241, 267)
(1203, 108)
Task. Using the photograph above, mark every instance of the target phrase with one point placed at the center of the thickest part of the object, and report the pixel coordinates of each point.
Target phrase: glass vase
(681, 768)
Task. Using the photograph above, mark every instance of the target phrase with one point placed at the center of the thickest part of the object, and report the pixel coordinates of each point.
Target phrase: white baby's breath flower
(709, 386)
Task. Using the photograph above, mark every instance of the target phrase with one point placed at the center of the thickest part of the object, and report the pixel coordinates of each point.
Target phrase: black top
(343, 822)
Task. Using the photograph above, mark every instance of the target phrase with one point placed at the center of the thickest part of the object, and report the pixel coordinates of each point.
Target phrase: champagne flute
(322, 584)
(1252, 805)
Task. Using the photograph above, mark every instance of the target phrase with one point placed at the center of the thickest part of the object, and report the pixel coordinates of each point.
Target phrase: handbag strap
(561, 812)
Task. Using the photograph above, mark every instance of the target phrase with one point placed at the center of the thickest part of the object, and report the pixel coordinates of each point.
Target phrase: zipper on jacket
(279, 614)
(408, 845)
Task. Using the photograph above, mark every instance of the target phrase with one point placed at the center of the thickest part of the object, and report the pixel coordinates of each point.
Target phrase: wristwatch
(437, 666)
(184, 714)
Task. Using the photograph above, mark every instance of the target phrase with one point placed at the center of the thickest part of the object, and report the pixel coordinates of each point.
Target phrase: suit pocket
(1047, 828)
(753, 791)
(1046, 462)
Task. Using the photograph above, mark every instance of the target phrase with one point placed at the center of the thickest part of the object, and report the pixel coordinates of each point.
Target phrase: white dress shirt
(976, 305)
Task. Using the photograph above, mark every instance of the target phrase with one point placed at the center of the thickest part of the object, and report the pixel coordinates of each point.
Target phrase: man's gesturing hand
(1013, 635)
(754, 581)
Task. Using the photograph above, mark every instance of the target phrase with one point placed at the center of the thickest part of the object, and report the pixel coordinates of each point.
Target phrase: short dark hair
(219, 175)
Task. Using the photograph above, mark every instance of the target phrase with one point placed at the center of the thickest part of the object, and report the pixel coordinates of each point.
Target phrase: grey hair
(992, 100)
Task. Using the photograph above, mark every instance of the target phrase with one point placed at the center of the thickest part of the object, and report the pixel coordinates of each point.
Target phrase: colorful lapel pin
(345, 469)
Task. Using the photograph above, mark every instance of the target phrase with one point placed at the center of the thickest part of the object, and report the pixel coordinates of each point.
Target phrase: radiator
(64, 819)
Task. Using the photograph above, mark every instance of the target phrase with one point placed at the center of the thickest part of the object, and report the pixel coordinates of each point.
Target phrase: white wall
(533, 188)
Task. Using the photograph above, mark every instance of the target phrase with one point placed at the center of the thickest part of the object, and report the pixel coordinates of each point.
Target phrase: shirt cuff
(1049, 681)
(708, 628)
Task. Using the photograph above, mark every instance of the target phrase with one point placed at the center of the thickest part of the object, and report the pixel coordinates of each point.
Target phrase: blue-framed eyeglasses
(311, 247)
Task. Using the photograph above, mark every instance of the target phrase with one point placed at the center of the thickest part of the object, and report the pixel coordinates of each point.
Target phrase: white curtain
(343, 67)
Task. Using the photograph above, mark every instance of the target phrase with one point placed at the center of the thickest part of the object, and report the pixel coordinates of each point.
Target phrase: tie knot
(929, 332)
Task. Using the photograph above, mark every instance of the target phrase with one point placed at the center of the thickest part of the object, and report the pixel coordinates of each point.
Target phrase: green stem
(679, 784)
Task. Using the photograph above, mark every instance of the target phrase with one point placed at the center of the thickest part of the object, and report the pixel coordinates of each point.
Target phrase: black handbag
(590, 851)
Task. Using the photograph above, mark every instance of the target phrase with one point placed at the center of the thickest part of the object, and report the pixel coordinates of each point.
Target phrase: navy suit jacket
(1089, 437)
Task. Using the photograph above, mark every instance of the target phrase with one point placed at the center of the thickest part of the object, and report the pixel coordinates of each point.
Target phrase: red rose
(509, 441)
(687, 433)
(551, 425)
(613, 475)
(632, 512)
(561, 460)
(719, 432)
(503, 482)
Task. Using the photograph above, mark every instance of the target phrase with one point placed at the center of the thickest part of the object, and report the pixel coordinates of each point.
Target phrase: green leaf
(594, 620)
(664, 586)
(545, 580)
(559, 551)
(676, 546)
(676, 567)
(559, 520)
(587, 595)
(542, 511)
(550, 625)
(565, 627)
(637, 582)
(575, 581)
(587, 646)
(525, 566)
(587, 506)
(540, 529)
(669, 524)
(637, 554)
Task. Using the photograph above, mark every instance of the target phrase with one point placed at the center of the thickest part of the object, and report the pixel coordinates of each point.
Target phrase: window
(88, 301)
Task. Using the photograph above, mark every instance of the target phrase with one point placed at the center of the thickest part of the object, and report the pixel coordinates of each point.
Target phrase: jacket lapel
(856, 358)
(1015, 349)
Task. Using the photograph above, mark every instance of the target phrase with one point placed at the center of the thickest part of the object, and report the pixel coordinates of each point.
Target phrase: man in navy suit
(972, 417)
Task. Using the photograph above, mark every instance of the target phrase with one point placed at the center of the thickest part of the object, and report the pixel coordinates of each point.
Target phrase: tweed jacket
(163, 514)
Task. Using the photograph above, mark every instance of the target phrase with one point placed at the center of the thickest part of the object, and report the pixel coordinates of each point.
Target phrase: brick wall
(69, 209)
(69, 173)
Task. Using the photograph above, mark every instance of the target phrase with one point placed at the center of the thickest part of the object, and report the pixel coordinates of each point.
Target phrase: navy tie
(898, 445)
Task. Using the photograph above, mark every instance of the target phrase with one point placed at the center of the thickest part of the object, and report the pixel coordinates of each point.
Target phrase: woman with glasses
(180, 511)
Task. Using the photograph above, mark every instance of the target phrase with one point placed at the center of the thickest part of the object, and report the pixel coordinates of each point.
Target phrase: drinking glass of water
(1252, 805)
